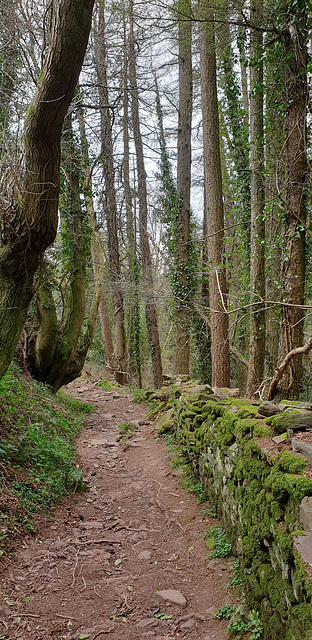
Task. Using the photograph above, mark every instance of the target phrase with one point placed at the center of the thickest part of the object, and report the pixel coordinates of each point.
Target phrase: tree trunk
(147, 268)
(181, 230)
(32, 226)
(97, 258)
(110, 202)
(274, 186)
(257, 278)
(293, 271)
(61, 352)
(220, 354)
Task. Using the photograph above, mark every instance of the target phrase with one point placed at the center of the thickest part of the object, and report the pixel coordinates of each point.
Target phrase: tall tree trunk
(96, 251)
(220, 353)
(257, 279)
(243, 69)
(181, 229)
(134, 346)
(293, 272)
(32, 225)
(147, 268)
(275, 195)
(110, 201)
(237, 122)
(126, 155)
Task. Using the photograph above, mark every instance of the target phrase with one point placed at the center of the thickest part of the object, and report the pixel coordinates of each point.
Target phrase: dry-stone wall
(261, 489)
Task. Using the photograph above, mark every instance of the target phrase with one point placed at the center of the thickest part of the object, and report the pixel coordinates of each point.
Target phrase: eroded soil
(94, 570)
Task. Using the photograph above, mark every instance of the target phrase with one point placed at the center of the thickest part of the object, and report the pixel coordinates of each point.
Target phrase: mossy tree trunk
(99, 297)
(59, 349)
(31, 226)
(275, 195)
(181, 222)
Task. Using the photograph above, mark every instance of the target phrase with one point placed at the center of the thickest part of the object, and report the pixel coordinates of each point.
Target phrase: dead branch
(280, 369)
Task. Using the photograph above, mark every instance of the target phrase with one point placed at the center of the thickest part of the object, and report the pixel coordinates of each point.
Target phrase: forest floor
(98, 566)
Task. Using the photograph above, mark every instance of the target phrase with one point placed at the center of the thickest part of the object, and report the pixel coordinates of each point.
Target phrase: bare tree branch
(280, 369)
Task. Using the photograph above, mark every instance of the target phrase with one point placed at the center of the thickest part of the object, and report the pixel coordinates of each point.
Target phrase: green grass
(38, 464)
(106, 385)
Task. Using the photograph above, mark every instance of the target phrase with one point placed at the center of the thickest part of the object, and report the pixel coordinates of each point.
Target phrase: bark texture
(293, 270)
(55, 348)
(257, 279)
(107, 152)
(32, 226)
(220, 353)
(182, 215)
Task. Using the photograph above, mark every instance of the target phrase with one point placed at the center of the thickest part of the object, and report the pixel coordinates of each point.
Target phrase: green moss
(244, 425)
(302, 486)
(261, 430)
(259, 505)
(291, 462)
(301, 620)
(247, 411)
(30, 111)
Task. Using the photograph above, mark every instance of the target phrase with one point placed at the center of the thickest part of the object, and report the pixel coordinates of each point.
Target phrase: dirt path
(95, 570)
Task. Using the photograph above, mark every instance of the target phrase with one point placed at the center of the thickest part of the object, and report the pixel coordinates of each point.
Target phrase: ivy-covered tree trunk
(237, 123)
(147, 267)
(99, 298)
(110, 202)
(275, 195)
(220, 353)
(8, 65)
(293, 272)
(31, 226)
(234, 126)
(181, 221)
(257, 279)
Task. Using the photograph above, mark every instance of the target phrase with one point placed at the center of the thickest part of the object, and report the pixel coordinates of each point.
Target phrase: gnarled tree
(30, 226)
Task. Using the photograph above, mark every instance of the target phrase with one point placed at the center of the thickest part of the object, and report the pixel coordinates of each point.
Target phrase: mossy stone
(291, 462)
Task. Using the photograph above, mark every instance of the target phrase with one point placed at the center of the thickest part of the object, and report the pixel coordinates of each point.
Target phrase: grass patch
(106, 385)
(72, 403)
(38, 463)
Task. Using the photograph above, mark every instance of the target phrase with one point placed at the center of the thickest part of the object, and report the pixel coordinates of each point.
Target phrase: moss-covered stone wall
(257, 491)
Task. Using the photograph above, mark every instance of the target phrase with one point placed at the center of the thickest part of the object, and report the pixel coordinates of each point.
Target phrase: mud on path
(98, 567)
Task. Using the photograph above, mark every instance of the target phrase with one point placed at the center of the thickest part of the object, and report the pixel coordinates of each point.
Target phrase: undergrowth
(241, 625)
(37, 456)
(218, 543)
(188, 479)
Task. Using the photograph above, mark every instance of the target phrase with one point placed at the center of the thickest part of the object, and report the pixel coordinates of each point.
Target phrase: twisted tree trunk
(31, 227)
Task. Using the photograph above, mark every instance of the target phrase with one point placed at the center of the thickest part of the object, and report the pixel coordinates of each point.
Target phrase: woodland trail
(95, 568)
